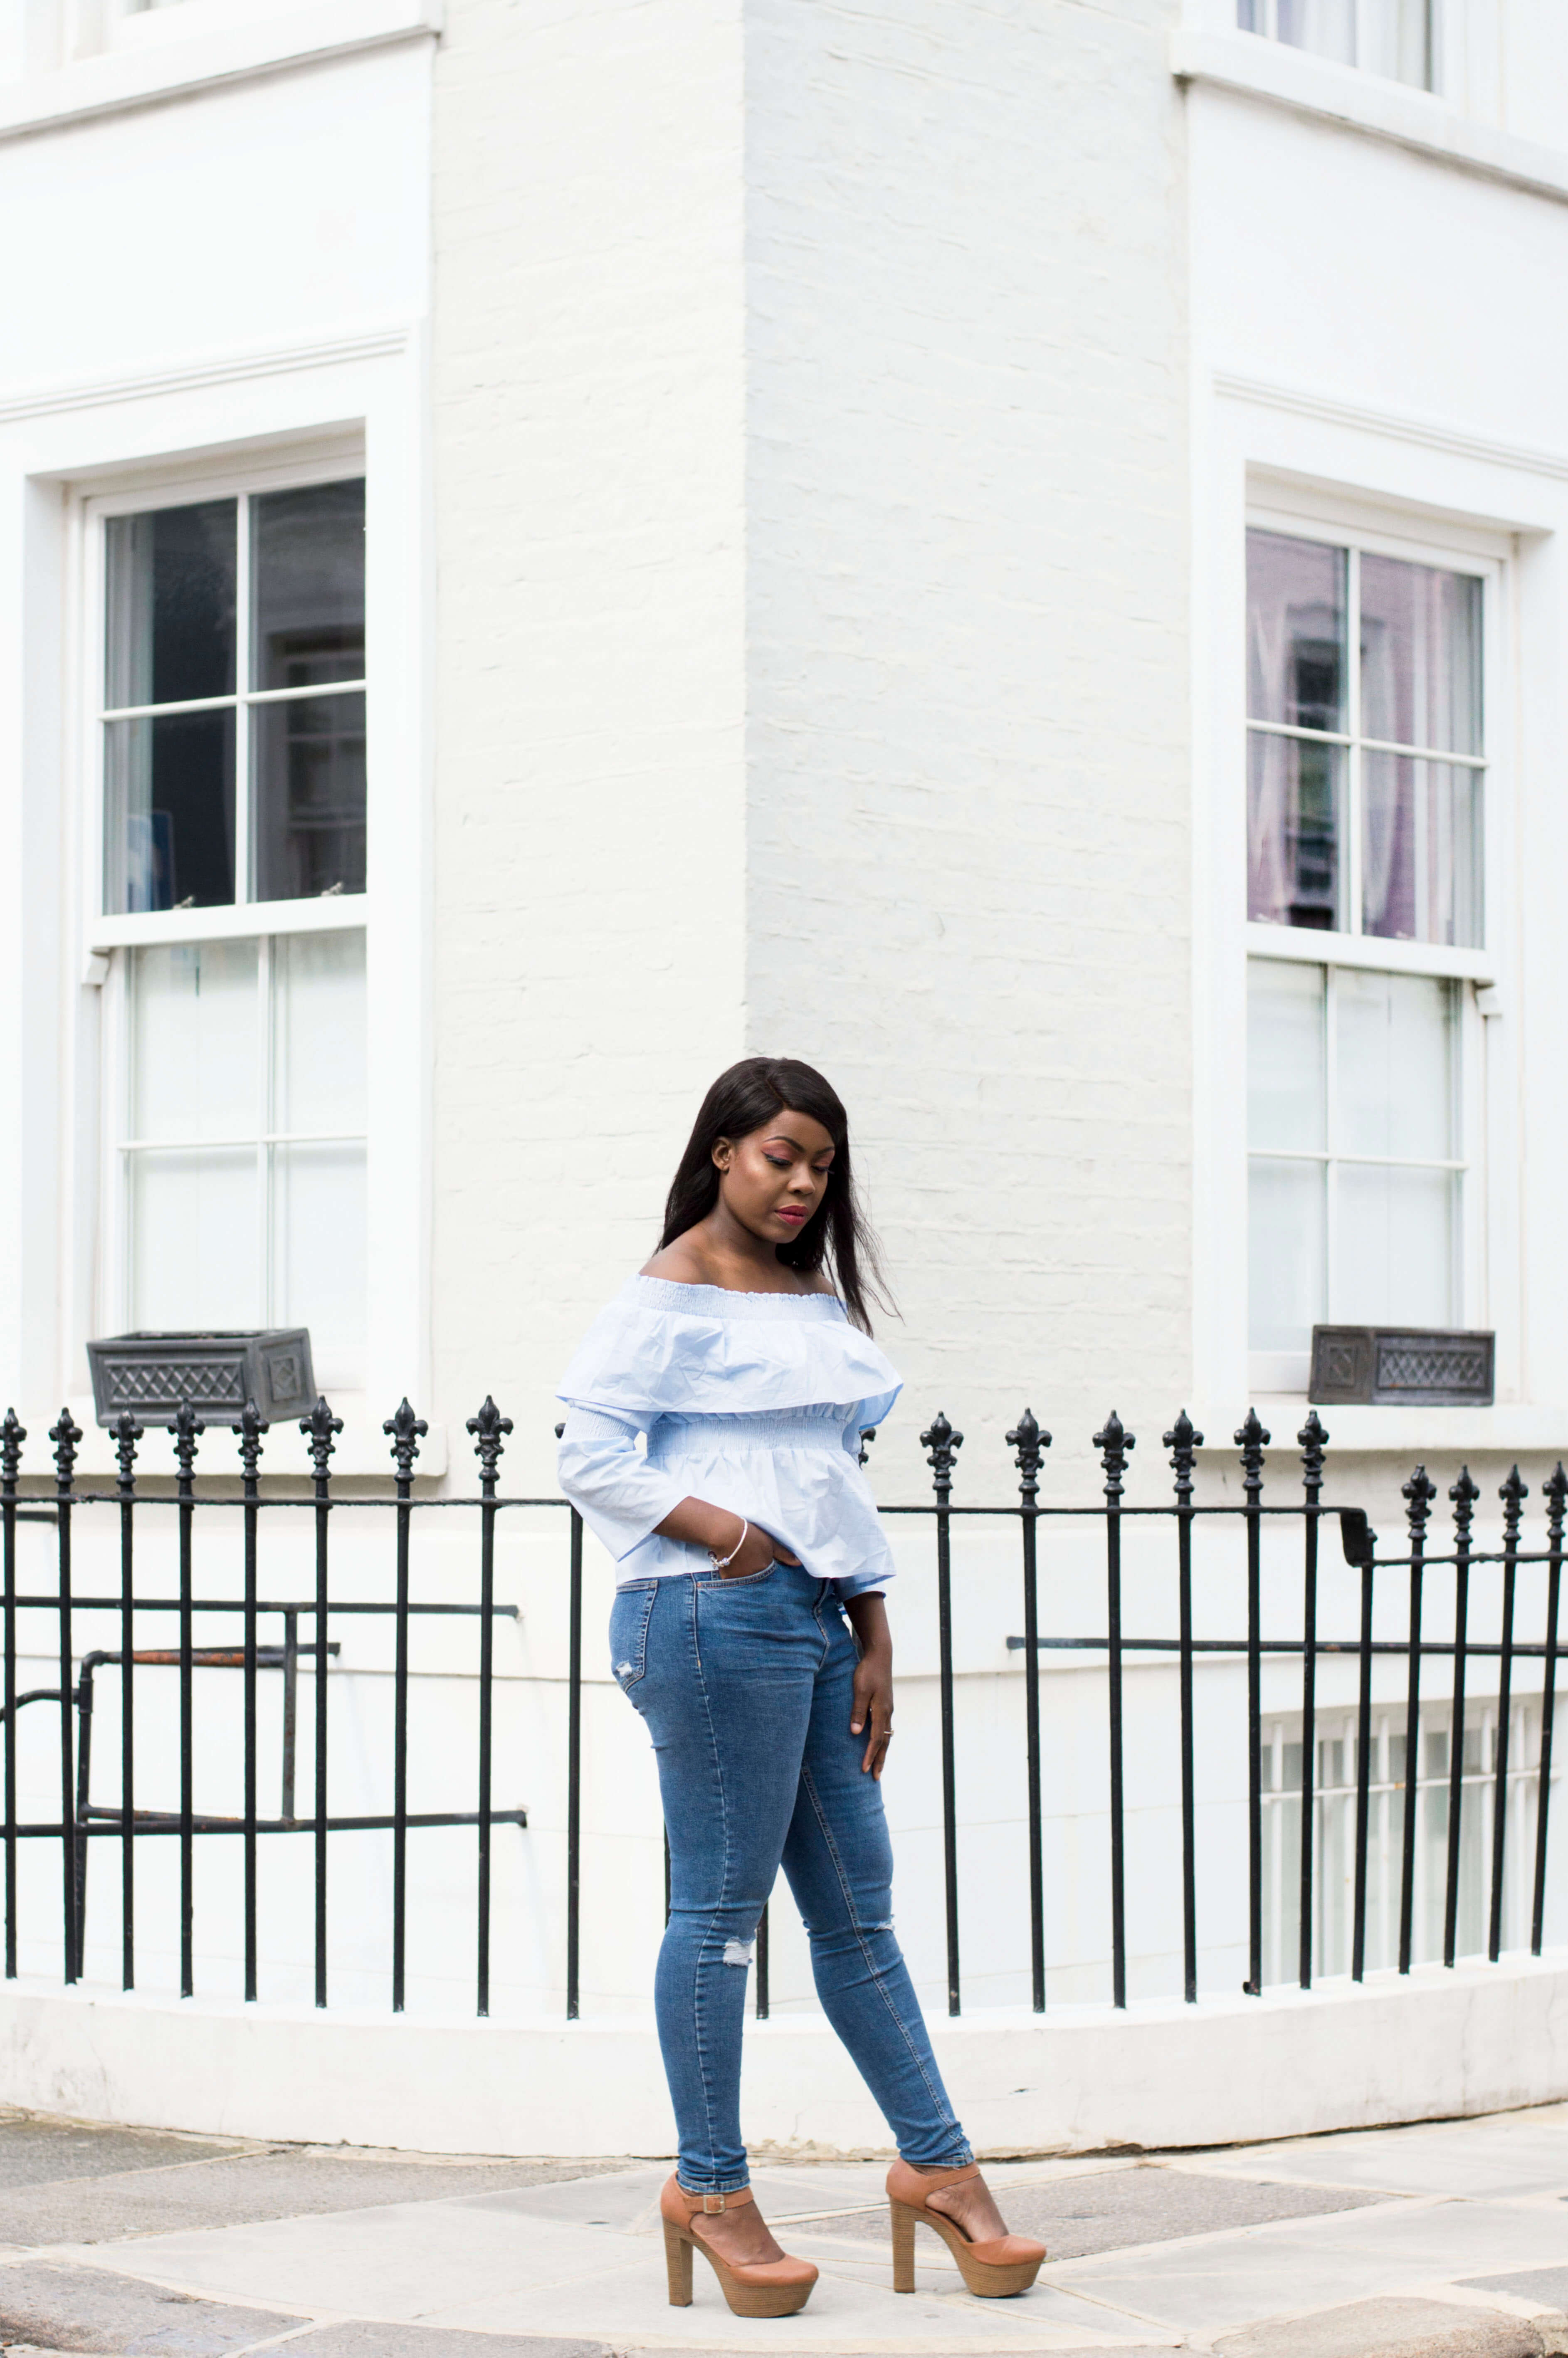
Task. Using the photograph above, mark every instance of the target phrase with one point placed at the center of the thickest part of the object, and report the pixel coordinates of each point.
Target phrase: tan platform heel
(995, 2270)
(763, 2289)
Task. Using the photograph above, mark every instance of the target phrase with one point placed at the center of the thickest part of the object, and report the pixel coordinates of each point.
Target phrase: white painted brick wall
(966, 655)
(812, 665)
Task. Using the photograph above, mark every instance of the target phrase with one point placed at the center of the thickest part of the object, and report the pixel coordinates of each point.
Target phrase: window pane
(172, 604)
(1421, 850)
(195, 1042)
(319, 1252)
(1421, 655)
(1295, 804)
(1295, 632)
(318, 1033)
(1395, 1251)
(309, 565)
(194, 1236)
(169, 820)
(1249, 16)
(1396, 1065)
(1284, 1056)
(308, 769)
(1285, 1253)
(1325, 27)
(1396, 41)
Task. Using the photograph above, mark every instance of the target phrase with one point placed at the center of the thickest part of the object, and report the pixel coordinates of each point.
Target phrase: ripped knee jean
(746, 1689)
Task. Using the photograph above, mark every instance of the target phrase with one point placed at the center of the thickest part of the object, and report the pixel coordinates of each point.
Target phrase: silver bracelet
(721, 1563)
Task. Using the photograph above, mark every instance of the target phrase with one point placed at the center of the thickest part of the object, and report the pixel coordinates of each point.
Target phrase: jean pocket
(744, 1579)
(629, 1618)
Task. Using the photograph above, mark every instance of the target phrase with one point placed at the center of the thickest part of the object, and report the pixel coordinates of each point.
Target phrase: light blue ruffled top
(751, 1401)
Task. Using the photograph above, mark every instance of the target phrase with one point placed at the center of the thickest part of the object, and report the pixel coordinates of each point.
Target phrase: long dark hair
(744, 1099)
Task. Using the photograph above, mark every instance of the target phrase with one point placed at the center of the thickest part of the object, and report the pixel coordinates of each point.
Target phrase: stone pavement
(1445, 2241)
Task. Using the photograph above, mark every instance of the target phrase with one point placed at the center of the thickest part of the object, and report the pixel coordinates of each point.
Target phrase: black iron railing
(1274, 1538)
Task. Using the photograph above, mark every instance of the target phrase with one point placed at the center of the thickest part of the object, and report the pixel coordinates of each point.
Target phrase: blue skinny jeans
(746, 1686)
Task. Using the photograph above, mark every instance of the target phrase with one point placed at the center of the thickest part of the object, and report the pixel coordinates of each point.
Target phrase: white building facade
(1009, 554)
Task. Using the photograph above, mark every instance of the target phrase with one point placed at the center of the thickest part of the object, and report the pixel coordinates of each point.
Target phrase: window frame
(1344, 522)
(1269, 31)
(109, 939)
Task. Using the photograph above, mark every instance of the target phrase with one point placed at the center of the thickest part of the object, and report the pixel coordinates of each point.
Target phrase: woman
(750, 1631)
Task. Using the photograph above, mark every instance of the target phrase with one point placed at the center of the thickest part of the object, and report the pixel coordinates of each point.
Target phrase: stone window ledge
(1281, 76)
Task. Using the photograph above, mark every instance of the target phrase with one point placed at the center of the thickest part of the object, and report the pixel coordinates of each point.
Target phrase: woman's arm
(717, 1528)
(873, 1677)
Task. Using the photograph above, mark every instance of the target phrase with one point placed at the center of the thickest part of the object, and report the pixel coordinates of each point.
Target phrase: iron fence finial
(1313, 1439)
(1252, 1438)
(1513, 1494)
(406, 1431)
(318, 1428)
(1183, 1440)
(250, 1428)
(1464, 1494)
(187, 1428)
(65, 1436)
(487, 1428)
(1113, 1441)
(12, 1435)
(127, 1432)
(1418, 1492)
(1030, 1442)
(941, 1445)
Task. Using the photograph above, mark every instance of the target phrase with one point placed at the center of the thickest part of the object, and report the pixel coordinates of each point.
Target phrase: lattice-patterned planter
(151, 1374)
(1409, 1367)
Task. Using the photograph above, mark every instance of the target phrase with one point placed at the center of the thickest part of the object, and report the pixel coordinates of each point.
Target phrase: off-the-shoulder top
(751, 1401)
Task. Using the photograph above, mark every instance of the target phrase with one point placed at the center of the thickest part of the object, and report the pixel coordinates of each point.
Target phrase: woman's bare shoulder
(681, 1263)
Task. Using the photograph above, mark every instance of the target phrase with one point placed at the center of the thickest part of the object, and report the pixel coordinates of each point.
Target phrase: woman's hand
(871, 1709)
(718, 1529)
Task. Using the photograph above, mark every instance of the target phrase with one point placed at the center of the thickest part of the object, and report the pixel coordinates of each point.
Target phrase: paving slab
(1390, 2329)
(63, 2309)
(1503, 2154)
(35, 2148)
(359, 2340)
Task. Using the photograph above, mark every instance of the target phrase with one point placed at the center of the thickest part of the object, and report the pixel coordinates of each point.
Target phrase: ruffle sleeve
(661, 1349)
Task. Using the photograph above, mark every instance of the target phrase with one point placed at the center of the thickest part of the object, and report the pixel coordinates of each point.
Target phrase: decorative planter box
(151, 1374)
(1409, 1367)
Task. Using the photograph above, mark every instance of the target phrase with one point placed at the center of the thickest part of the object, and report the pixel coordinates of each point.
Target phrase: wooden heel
(903, 2246)
(678, 2264)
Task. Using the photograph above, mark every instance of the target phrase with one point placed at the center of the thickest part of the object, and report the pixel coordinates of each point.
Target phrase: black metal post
(1313, 1439)
(65, 1436)
(407, 1430)
(487, 1428)
(1182, 1441)
(1556, 1492)
(320, 1426)
(1512, 1494)
(1252, 1440)
(1028, 1441)
(250, 1430)
(1113, 1442)
(1363, 1776)
(1419, 1492)
(574, 1779)
(12, 1436)
(1463, 1494)
(186, 1428)
(941, 1446)
(127, 1432)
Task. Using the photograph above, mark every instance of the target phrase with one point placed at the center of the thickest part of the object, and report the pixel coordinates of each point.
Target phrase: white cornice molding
(1430, 433)
(203, 370)
(1315, 87)
(121, 79)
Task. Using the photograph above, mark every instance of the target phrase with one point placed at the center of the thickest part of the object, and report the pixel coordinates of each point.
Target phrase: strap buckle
(711, 2203)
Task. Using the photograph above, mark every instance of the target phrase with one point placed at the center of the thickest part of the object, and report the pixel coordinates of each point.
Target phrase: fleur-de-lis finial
(406, 1431)
(65, 1436)
(1554, 1490)
(1463, 1494)
(1314, 1441)
(868, 1434)
(1113, 1441)
(941, 1446)
(186, 1429)
(487, 1428)
(1182, 1441)
(12, 1435)
(1418, 1493)
(250, 1429)
(127, 1432)
(1252, 1439)
(1029, 1441)
(318, 1428)
(1513, 1494)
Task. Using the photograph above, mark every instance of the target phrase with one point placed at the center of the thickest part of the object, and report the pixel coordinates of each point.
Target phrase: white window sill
(1287, 77)
(1511, 1427)
(361, 1449)
(231, 921)
(1307, 944)
(140, 76)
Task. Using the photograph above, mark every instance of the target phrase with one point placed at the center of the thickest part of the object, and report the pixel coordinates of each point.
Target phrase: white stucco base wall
(1477, 2040)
